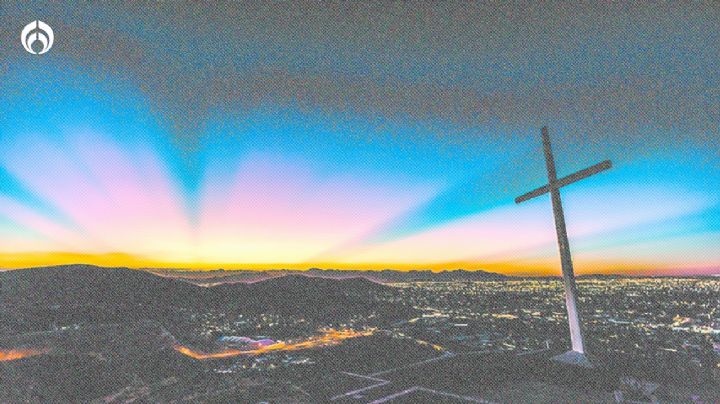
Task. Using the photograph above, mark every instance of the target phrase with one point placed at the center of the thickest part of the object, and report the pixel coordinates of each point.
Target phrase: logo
(37, 31)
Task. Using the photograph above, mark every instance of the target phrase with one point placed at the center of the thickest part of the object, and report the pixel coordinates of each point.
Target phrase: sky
(360, 135)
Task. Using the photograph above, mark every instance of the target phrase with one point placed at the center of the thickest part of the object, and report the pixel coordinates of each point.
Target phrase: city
(662, 330)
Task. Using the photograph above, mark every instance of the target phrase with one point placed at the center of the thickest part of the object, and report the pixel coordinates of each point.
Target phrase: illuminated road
(21, 353)
(328, 338)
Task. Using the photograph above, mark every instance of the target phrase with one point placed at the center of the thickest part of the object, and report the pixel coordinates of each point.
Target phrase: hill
(40, 298)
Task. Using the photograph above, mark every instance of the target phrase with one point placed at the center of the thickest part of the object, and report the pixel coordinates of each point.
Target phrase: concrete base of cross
(575, 358)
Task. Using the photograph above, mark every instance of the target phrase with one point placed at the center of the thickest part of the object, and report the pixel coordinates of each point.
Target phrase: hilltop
(68, 294)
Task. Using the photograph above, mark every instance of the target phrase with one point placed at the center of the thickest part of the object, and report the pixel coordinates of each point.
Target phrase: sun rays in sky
(96, 180)
(158, 160)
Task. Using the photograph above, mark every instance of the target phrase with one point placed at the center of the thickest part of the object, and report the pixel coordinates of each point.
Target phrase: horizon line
(419, 269)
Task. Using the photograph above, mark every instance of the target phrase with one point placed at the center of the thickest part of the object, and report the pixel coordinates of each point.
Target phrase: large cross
(577, 354)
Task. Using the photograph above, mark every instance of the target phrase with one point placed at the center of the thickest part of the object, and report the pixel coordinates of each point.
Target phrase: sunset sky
(348, 135)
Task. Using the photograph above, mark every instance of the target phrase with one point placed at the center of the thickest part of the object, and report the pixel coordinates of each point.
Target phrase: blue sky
(360, 135)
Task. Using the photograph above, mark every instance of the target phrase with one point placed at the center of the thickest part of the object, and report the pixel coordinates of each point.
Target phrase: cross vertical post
(576, 355)
(568, 272)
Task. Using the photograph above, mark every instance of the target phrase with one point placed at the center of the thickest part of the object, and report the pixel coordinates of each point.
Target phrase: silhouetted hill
(87, 284)
(294, 294)
(82, 293)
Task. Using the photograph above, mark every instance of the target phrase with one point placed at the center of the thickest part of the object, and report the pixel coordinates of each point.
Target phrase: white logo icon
(34, 32)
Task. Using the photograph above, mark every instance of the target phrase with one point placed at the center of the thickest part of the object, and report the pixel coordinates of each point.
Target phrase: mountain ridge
(380, 276)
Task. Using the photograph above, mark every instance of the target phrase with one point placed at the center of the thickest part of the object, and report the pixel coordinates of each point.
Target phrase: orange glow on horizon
(546, 266)
(328, 338)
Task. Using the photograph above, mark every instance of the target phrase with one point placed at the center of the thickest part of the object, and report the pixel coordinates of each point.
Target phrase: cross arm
(582, 174)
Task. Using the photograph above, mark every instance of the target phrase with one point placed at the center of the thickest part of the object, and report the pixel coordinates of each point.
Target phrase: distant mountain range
(382, 276)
